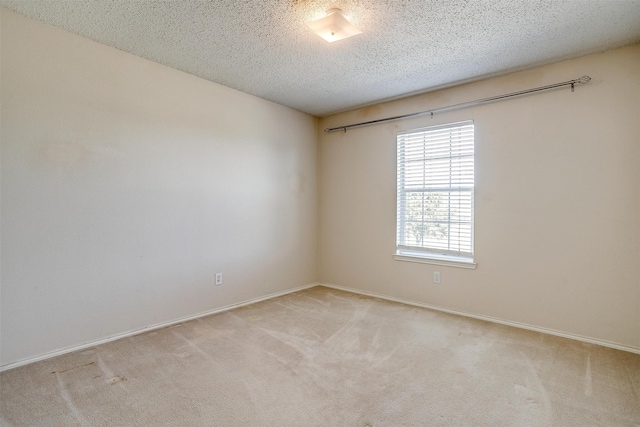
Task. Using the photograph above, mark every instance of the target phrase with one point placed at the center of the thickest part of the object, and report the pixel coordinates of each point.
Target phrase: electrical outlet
(436, 277)
(218, 279)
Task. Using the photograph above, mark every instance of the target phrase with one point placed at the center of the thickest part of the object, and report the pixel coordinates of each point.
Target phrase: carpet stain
(108, 373)
(116, 379)
(75, 367)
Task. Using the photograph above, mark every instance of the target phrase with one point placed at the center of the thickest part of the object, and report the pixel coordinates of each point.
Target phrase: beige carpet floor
(323, 357)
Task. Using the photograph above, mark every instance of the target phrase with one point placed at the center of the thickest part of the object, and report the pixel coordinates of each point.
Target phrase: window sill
(423, 258)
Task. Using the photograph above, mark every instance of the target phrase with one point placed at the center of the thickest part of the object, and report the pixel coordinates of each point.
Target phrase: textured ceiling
(264, 48)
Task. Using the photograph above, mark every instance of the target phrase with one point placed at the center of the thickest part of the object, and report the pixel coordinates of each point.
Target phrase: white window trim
(434, 259)
(421, 256)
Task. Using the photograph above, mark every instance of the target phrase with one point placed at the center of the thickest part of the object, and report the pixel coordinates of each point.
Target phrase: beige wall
(557, 202)
(127, 185)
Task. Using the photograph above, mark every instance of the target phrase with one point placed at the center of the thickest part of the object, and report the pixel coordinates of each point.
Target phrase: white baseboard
(489, 319)
(83, 346)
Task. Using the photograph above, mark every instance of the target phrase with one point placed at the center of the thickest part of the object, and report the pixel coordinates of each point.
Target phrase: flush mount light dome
(333, 27)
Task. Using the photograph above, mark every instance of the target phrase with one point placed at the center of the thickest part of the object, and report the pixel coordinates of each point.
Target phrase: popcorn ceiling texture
(264, 48)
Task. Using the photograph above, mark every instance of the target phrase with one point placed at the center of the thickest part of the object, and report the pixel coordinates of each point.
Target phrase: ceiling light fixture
(333, 27)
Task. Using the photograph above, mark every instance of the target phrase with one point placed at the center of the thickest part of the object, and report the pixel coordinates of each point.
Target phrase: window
(435, 195)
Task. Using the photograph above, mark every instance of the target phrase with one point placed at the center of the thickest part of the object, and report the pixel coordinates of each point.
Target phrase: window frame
(437, 256)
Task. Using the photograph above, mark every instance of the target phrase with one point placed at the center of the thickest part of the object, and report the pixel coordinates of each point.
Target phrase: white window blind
(435, 190)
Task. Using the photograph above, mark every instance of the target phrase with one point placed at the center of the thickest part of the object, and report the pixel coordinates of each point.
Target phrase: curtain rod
(572, 83)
